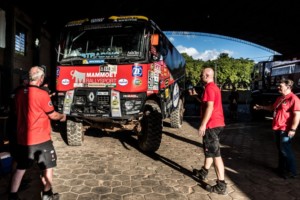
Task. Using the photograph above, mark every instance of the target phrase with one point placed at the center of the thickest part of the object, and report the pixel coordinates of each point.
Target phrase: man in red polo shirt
(34, 110)
(285, 122)
(211, 125)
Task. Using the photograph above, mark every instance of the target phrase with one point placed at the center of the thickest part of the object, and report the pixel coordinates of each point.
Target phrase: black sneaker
(54, 196)
(13, 196)
(290, 176)
(201, 174)
(219, 188)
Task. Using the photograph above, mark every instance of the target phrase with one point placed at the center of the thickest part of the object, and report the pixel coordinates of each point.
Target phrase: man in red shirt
(285, 122)
(212, 124)
(34, 110)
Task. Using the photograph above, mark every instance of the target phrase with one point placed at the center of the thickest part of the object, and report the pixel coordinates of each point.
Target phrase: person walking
(286, 119)
(211, 126)
(233, 103)
(34, 111)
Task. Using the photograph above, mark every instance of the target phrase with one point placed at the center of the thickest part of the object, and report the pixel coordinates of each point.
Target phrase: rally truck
(119, 73)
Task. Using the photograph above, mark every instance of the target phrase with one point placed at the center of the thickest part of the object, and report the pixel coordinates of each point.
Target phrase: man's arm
(57, 116)
(259, 107)
(207, 114)
(295, 124)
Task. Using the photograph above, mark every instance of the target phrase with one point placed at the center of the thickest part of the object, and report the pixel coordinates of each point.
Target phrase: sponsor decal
(65, 81)
(175, 95)
(123, 81)
(130, 96)
(102, 93)
(166, 82)
(167, 93)
(137, 71)
(157, 68)
(57, 71)
(115, 104)
(149, 92)
(105, 77)
(94, 84)
(100, 75)
(137, 82)
(78, 85)
(78, 76)
(133, 53)
(97, 61)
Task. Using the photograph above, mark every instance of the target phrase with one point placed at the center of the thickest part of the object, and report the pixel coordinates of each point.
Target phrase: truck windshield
(107, 42)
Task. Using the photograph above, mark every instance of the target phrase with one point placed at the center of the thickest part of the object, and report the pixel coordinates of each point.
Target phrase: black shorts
(43, 154)
(211, 142)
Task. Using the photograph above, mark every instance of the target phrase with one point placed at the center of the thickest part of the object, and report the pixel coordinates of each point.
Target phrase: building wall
(21, 64)
(12, 65)
(45, 50)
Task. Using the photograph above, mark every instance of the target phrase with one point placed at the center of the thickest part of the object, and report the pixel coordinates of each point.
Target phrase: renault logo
(91, 96)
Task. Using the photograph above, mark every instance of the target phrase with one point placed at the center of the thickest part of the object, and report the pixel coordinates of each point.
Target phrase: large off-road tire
(75, 133)
(149, 138)
(176, 118)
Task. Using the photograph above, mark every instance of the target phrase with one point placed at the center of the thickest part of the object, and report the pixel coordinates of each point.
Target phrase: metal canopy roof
(272, 24)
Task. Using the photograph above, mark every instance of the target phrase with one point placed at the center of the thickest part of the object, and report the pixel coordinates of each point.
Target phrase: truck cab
(119, 73)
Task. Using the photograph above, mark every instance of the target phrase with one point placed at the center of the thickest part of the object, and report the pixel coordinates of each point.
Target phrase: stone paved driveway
(110, 166)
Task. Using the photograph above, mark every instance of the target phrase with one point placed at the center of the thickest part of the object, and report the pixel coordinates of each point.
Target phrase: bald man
(211, 125)
(34, 110)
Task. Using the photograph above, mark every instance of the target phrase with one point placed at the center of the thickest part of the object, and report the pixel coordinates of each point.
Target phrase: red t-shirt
(284, 107)
(213, 93)
(33, 105)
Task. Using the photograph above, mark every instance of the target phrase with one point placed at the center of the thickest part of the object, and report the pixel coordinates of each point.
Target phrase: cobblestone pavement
(111, 167)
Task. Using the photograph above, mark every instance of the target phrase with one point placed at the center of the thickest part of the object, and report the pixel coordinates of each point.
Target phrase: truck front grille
(91, 101)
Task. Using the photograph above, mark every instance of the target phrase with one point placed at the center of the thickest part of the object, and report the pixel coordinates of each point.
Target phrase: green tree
(193, 69)
(229, 71)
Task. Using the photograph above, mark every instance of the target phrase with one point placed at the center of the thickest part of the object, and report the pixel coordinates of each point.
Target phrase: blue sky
(206, 46)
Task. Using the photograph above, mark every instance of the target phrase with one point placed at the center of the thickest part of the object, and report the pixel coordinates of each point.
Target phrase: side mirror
(154, 39)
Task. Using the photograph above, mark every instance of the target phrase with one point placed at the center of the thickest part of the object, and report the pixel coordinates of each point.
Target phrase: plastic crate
(5, 163)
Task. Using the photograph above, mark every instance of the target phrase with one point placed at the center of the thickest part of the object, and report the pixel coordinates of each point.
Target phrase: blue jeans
(286, 157)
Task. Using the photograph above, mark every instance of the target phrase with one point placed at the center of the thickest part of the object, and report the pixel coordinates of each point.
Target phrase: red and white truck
(119, 73)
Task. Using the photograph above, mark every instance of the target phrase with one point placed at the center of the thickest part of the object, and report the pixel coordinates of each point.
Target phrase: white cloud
(171, 39)
(205, 56)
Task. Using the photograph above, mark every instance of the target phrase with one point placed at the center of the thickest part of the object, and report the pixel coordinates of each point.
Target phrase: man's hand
(258, 107)
(64, 118)
(193, 92)
(201, 131)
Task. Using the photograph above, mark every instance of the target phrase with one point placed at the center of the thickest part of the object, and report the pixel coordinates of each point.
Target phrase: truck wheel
(149, 138)
(177, 116)
(74, 133)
